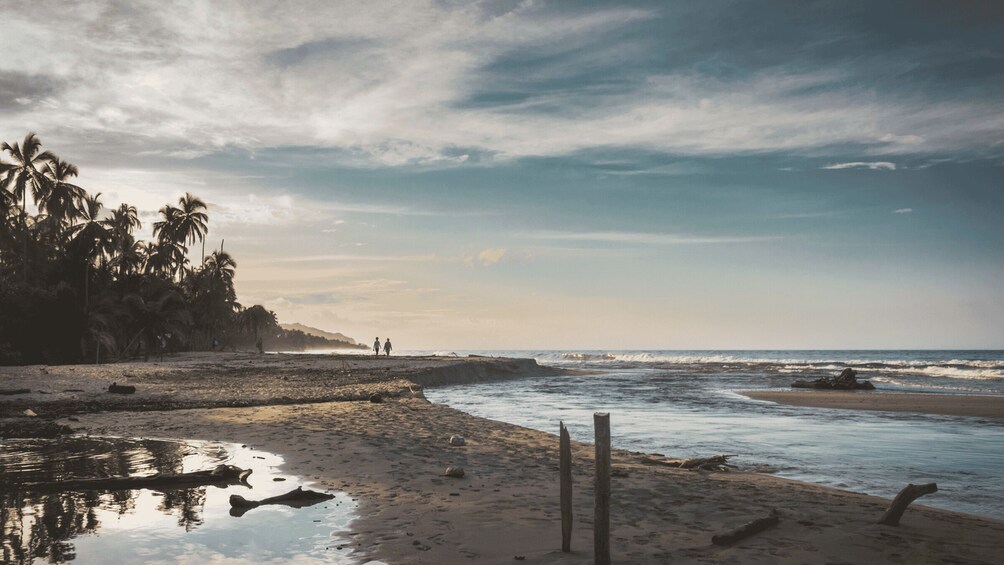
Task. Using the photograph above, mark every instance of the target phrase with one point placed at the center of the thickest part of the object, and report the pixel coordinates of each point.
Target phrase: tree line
(76, 283)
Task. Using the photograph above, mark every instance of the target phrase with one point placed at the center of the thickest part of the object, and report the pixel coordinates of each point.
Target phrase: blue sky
(555, 174)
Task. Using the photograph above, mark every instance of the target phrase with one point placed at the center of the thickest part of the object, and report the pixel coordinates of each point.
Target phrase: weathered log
(13, 391)
(909, 493)
(116, 388)
(221, 475)
(714, 463)
(746, 530)
(296, 498)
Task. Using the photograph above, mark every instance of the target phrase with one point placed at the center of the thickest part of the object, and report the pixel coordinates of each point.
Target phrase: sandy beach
(943, 404)
(391, 456)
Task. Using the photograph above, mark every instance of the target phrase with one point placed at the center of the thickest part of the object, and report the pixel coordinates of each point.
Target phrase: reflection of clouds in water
(171, 526)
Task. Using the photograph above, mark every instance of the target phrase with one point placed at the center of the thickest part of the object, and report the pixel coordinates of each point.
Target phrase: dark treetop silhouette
(75, 283)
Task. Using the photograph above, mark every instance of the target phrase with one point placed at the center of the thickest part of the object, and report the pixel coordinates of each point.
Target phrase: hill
(319, 333)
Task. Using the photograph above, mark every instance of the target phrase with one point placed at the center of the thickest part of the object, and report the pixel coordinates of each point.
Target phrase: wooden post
(566, 489)
(601, 515)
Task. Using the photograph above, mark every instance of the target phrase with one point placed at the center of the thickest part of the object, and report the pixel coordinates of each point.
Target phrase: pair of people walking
(386, 347)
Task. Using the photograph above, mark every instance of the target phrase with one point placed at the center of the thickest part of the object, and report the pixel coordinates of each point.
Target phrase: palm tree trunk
(24, 224)
(87, 279)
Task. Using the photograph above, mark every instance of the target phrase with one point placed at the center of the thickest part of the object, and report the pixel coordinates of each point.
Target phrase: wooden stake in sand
(601, 516)
(903, 499)
(566, 488)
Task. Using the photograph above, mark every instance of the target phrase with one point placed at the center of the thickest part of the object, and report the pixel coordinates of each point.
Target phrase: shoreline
(977, 406)
(391, 456)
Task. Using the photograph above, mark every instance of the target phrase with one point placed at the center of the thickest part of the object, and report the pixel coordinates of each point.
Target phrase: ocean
(686, 404)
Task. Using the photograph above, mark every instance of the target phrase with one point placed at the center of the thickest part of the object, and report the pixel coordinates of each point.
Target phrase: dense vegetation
(75, 283)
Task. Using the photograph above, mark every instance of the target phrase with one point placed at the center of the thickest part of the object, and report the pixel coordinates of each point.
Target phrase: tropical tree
(90, 237)
(257, 319)
(157, 314)
(58, 198)
(25, 176)
(191, 221)
(127, 254)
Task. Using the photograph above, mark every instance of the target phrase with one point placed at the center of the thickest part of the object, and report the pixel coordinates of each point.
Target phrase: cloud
(902, 211)
(872, 165)
(647, 238)
(398, 84)
(490, 256)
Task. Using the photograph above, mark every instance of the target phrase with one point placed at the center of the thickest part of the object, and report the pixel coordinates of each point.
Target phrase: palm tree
(192, 221)
(165, 258)
(90, 236)
(24, 176)
(164, 229)
(8, 209)
(58, 198)
(257, 318)
(127, 252)
(124, 219)
(156, 315)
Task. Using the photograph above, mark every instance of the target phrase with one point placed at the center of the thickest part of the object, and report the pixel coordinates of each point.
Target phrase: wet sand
(391, 456)
(943, 404)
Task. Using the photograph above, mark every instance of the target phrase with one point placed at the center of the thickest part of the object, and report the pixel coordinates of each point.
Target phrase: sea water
(687, 404)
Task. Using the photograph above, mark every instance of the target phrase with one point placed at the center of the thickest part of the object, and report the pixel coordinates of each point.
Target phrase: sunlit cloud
(871, 165)
(486, 258)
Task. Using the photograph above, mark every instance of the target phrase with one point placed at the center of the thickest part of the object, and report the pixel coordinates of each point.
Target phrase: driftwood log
(116, 388)
(746, 530)
(714, 463)
(903, 499)
(221, 475)
(296, 498)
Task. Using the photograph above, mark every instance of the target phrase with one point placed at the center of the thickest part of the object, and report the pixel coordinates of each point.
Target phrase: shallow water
(166, 526)
(690, 408)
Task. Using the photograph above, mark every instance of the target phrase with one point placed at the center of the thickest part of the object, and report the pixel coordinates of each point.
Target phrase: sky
(539, 174)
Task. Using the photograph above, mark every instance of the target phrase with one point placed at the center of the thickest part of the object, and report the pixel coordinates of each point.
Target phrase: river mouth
(191, 525)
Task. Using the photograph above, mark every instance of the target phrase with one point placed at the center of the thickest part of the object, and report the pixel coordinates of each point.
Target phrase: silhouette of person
(376, 347)
(261, 348)
(387, 347)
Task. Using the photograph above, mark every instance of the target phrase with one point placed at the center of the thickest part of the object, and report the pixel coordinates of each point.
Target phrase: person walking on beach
(387, 347)
(376, 347)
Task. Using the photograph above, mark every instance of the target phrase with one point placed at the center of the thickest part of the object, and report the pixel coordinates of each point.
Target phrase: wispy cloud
(902, 211)
(872, 165)
(392, 84)
(487, 257)
(646, 238)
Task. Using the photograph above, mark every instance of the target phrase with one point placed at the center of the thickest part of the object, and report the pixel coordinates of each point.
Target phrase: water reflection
(141, 525)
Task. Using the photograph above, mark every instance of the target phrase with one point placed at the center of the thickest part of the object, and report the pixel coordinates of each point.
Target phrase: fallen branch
(296, 498)
(13, 391)
(715, 463)
(746, 530)
(909, 493)
(222, 474)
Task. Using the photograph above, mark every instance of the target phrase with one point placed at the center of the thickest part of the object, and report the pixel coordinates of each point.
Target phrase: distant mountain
(319, 333)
